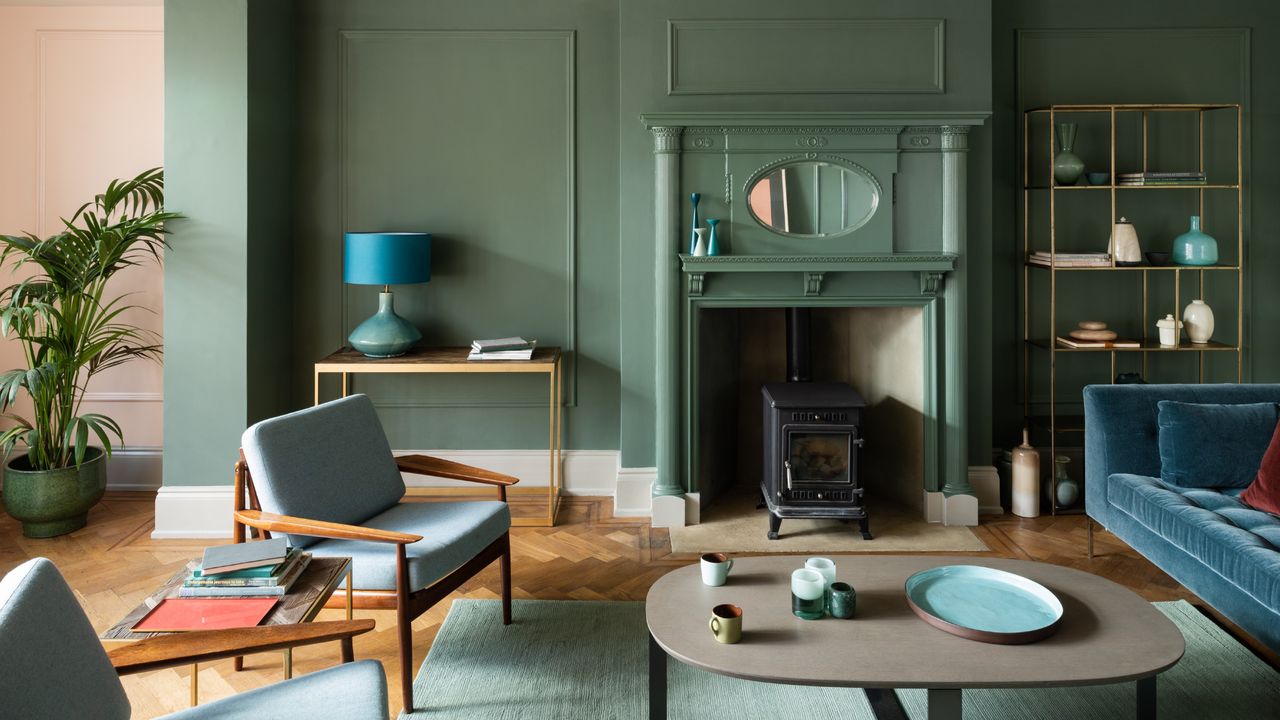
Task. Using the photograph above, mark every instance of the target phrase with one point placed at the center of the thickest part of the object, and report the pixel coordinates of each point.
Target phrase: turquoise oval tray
(984, 604)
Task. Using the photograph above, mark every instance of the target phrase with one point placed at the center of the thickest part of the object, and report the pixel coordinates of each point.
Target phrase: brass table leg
(288, 663)
(195, 684)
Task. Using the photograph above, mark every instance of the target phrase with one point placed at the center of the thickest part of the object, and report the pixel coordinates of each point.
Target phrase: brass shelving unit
(1053, 422)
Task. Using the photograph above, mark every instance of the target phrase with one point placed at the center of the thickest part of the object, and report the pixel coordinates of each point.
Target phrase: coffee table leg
(945, 704)
(885, 704)
(657, 681)
(1147, 698)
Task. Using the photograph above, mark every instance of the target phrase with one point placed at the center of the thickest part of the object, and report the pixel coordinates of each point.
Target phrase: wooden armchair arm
(162, 651)
(272, 522)
(427, 465)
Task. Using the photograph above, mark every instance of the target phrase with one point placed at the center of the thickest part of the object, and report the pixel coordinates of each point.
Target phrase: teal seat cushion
(355, 691)
(1238, 543)
(331, 462)
(452, 533)
(52, 664)
(1213, 445)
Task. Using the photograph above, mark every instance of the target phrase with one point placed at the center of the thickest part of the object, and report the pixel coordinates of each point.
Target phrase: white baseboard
(633, 495)
(204, 511)
(584, 472)
(194, 511)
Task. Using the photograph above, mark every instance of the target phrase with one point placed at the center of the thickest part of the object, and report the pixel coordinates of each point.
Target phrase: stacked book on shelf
(267, 568)
(1147, 179)
(1064, 259)
(511, 348)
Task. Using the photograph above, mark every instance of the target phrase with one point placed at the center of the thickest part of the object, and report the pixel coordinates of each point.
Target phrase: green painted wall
(492, 126)
(226, 172)
(1089, 51)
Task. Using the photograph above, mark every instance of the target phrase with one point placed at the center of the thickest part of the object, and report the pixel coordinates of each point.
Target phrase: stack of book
(1063, 259)
(267, 568)
(1076, 343)
(1142, 179)
(512, 348)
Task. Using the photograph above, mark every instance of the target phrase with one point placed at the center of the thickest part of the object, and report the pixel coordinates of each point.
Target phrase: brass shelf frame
(1074, 424)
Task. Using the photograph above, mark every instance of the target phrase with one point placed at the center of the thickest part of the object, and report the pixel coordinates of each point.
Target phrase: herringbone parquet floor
(113, 563)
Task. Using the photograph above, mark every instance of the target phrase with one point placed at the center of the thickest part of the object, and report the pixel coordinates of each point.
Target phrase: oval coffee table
(1108, 635)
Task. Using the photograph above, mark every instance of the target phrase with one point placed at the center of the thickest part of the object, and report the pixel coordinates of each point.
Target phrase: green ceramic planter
(54, 502)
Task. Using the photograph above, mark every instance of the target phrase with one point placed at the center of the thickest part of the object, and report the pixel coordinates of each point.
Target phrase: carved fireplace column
(960, 503)
(668, 490)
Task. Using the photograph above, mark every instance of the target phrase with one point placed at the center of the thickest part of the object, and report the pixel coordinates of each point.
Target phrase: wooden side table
(545, 360)
(304, 600)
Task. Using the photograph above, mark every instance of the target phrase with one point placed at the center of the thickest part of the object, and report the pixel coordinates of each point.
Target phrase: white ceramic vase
(1026, 479)
(1197, 318)
(1124, 243)
(700, 245)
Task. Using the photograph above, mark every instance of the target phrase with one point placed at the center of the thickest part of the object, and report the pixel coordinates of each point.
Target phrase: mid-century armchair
(326, 476)
(54, 666)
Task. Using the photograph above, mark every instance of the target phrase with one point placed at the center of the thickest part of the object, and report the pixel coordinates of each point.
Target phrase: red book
(184, 614)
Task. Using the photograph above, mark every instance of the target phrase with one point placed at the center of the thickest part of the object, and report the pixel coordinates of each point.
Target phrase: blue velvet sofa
(1205, 538)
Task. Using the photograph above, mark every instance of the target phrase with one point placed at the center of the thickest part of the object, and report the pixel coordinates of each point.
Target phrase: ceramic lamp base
(385, 334)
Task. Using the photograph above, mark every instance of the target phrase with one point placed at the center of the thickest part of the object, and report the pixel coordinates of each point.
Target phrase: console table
(545, 360)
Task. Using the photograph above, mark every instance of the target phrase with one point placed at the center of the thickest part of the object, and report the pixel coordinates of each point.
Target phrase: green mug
(844, 600)
(726, 623)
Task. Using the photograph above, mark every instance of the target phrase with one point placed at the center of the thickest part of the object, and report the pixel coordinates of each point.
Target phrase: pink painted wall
(83, 89)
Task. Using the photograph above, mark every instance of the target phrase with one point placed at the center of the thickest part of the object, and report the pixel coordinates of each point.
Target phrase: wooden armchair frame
(247, 513)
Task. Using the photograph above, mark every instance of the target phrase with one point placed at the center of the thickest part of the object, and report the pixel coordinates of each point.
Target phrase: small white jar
(1169, 329)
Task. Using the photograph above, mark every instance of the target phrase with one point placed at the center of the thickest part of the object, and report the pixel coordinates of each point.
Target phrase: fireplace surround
(909, 252)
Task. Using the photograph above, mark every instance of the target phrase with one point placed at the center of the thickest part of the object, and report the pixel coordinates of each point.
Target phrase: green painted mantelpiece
(908, 252)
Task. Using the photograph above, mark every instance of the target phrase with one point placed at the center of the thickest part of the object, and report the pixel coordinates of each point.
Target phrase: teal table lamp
(385, 259)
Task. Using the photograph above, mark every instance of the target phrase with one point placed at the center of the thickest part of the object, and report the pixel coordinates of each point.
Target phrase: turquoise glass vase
(713, 237)
(1195, 247)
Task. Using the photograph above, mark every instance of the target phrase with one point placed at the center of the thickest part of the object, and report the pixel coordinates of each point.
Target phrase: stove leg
(775, 522)
(865, 526)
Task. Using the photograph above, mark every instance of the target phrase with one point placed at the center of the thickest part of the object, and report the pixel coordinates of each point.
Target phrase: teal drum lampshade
(385, 259)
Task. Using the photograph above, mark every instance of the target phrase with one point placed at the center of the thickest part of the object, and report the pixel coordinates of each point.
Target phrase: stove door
(819, 456)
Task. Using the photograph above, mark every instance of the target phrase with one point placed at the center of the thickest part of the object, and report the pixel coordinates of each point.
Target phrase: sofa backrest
(1121, 434)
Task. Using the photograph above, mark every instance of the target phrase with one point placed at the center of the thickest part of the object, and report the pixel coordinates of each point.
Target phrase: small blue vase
(1194, 247)
(693, 236)
(713, 238)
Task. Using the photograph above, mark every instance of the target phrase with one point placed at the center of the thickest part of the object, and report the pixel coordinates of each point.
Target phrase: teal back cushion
(52, 664)
(331, 462)
(1214, 446)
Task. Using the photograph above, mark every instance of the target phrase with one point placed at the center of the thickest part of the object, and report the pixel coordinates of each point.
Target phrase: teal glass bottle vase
(713, 237)
(1067, 166)
(1195, 247)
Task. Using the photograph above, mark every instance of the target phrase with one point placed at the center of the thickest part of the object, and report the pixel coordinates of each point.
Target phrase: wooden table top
(435, 359)
(301, 603)
(1108, 633)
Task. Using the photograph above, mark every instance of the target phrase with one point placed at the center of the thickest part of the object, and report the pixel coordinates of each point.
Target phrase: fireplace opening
(827, 404)
(812, 442)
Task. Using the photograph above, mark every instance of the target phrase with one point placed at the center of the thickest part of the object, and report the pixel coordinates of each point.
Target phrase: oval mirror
(813, 198)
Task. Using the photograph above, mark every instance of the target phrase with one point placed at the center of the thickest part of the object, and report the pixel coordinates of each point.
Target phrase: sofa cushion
(452, 533)
(1264, 492)
(1237, 542)
(1213, 446)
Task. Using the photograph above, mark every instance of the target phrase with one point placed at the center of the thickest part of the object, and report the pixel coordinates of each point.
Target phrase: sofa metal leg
(1088, 523)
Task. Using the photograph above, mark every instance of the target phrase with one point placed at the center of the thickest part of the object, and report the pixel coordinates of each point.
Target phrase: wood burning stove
(812, 442)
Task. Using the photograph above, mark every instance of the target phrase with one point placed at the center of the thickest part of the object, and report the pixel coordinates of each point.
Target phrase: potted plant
(71, 327)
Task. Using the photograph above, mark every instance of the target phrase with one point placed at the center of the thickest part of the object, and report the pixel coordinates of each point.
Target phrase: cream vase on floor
(1026, 479)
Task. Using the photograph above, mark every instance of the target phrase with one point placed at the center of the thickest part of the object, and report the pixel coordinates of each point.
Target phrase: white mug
(715, 569)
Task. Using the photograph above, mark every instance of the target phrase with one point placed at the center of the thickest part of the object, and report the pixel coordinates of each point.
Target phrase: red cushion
(1264, 492)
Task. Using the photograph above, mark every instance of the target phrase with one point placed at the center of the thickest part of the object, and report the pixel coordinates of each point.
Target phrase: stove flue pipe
(799, 361)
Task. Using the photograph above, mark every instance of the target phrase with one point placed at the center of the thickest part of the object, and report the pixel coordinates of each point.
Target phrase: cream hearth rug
(733, 524)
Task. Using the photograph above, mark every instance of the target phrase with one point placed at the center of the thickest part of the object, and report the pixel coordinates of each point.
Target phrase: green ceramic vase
(1067, 166)
(54, 502)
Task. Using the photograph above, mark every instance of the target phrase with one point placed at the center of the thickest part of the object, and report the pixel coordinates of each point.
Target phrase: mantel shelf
(896, 262)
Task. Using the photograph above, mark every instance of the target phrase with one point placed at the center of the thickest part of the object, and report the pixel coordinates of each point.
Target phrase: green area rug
(588, 661)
